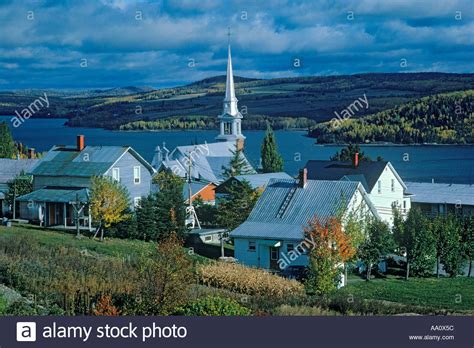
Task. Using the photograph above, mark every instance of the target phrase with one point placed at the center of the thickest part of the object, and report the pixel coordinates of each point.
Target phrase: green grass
(455, 294)
(109, 247)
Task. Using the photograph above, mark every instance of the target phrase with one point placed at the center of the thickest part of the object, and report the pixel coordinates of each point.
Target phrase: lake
(449, 164)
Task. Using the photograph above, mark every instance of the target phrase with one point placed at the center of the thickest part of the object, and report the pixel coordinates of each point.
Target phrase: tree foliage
(165, 278)
(332, 247)
(109, 202)
(162, 213)
(415, 238)
(238, 165)
(7, 144)
(378, 243)
(234, 208)
(443, 118)
(272, 162)
(19, 186)
(347, 154)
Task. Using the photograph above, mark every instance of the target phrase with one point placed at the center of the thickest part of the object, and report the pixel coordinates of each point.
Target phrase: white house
(275, 226)
(381, 181)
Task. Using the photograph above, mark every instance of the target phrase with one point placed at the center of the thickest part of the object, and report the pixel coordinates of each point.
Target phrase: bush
(213, 306)
(286, 310)
(249, 281)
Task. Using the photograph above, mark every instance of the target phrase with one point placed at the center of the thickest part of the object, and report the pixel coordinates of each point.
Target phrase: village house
(204, 191)
(206, 161)
(272, 237)
(441, 199)
(9, 170)
(62, 181)
(380, 180)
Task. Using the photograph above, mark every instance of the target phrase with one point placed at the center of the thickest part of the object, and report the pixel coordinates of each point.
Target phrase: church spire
(230, 119)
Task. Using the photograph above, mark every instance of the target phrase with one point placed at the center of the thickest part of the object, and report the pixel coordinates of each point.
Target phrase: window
(227, 128)
(136, 174)
(136, 201)
(252, 246)
(289, 247)
(404, 206)
(208, 238)
(274, 254)
(393, 185)
(116, 174)
(379, 186)
(441, 209)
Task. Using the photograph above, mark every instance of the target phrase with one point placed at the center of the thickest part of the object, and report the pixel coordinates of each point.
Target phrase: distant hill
(315, 98)
(443, 118)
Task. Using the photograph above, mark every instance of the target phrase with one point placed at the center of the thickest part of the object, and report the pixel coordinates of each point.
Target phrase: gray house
(62, 179)
(9, 169)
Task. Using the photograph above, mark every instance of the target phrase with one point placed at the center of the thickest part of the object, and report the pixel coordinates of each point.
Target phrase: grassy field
(443, 293)
(110, 246)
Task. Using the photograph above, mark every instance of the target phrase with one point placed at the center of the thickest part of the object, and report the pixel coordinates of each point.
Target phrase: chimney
(356, 160)
(31, 153)
(240, 144)
(303, 178)
(80, 143)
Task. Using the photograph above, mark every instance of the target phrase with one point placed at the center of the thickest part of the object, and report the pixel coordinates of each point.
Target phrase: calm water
(450, 164)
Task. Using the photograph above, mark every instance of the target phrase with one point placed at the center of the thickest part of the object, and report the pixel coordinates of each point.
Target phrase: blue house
(63, 178)
(272, 237)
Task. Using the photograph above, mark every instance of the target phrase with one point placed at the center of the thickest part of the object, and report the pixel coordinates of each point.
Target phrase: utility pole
(14, 199)
(191, 213)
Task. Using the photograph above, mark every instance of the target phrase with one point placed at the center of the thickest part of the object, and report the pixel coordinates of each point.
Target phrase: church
(206, 162)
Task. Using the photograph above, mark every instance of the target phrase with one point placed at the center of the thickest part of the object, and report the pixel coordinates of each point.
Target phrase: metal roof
(57, 195)
(285, 208)
(424, 192)
(91, 161)
(260, 180)
(10, 168)
(207, 160)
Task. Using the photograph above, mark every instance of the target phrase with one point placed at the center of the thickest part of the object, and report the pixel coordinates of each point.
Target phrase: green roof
(56, 195)
(67, 161)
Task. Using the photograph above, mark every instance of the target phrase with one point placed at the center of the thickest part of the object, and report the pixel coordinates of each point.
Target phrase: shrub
(213, 306)
(247, 280)
(286, 310)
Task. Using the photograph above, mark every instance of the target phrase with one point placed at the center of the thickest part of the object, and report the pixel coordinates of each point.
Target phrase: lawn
(110, 246)
(455, 294)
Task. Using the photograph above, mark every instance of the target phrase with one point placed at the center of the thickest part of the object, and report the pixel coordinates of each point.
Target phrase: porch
(58, 207)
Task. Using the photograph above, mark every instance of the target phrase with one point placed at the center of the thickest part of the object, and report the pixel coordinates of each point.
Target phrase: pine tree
(7, 145)
(235, 207)
(237, 166)
(272, 161)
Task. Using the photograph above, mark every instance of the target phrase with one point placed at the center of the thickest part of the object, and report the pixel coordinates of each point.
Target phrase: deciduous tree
(109, 202)
(332, 247)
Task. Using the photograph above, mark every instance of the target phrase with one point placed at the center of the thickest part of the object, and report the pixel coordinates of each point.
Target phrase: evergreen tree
(237, 166)
(235, 207)
(7, 145)
(272, 161)
(347, 154)
(169, 209)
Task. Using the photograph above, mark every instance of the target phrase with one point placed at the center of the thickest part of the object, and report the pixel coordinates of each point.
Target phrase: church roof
(208, 160)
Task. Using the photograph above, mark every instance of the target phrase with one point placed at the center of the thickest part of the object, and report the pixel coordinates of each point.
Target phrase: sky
(83, 44)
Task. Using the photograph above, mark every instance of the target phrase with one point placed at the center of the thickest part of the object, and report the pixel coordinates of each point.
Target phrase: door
(274, 257)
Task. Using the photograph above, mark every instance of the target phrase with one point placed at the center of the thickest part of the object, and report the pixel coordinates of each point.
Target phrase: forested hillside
(443, 118)
(312, 97)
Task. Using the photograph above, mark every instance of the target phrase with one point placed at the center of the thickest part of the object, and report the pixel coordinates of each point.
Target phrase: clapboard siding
(126, 164)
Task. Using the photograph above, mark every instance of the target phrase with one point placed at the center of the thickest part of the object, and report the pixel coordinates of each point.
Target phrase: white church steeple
(230, 119)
